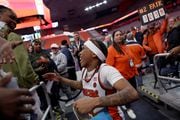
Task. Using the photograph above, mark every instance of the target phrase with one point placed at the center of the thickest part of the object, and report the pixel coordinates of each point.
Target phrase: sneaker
(58, 115)
(69, 103)
(58, 110)
(131, 114)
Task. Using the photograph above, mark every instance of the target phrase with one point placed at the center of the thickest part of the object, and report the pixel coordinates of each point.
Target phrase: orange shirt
(121, 61)
(138, 53)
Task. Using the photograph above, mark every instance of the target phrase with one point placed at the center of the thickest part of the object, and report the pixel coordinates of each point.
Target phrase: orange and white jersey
(98, 83)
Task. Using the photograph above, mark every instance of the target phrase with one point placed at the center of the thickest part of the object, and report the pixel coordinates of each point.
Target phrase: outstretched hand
(174, 52)
(6, 53)
(6, 50)
(13, 103)
(52, 76)
(14, 44)
(85, 105)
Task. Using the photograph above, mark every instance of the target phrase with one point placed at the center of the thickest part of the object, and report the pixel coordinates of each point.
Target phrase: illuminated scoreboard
(152, 12)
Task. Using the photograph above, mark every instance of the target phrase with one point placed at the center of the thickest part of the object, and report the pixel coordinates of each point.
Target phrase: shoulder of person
(61, 53)
(107, 70)
(111, 47)
(105, 66)
(12, 36)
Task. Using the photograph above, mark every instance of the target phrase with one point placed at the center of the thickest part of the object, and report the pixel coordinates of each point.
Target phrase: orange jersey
(121, 61)
(138, 53)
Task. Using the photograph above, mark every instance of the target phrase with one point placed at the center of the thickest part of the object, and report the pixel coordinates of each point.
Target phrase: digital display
(152, 12)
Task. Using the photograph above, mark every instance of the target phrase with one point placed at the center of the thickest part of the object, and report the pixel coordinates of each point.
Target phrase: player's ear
(94, 55)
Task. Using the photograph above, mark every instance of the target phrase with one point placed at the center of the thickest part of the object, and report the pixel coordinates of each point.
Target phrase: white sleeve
(109, 75)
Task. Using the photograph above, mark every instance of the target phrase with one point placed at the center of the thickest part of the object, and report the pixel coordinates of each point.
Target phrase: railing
(49, 108)
(161, 78)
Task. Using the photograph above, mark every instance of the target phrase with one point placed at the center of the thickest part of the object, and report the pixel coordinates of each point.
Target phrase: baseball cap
(54, 45)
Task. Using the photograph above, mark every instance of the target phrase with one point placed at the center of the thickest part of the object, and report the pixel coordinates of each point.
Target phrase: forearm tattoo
(121, 97)
(72, 83)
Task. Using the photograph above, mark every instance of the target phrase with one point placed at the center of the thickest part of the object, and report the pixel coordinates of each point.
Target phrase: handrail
(157, 69)
(49, 108)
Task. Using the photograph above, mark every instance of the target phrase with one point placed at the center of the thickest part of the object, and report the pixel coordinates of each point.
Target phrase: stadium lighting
(95, 5)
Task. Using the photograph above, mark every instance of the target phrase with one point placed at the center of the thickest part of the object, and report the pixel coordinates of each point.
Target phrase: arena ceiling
(71, 13)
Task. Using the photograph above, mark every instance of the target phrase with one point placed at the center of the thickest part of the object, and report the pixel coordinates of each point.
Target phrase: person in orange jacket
(138, 54)
(153, 39)
(137, 50)
(120, 57)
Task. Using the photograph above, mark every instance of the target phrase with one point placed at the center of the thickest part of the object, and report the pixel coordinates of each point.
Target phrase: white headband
(95, 50)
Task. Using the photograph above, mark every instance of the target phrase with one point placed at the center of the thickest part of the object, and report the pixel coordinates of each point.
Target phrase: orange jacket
(154, 43)
(121, 61)
(158, 37)
(149, 45)
(138, 53)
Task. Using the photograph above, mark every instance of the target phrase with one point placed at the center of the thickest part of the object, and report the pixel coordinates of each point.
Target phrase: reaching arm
(57, 77)
(174, 52)
(13, 101)
(145, 43)
(6, 50)
(164, 25)
(71, 83)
